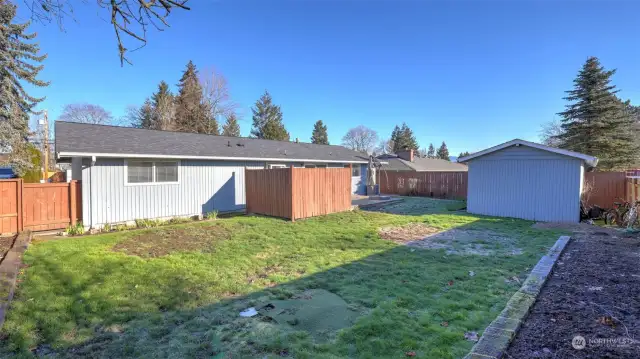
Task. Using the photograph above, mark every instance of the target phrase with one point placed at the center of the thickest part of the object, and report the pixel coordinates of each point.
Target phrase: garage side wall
(203, 186)
(527, 183)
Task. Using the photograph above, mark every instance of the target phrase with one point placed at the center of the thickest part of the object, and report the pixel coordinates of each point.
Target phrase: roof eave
(65, 154)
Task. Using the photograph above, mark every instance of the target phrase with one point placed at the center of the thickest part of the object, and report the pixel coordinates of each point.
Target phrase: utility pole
(45, 125)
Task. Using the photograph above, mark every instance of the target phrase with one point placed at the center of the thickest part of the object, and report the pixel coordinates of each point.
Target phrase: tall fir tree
(395, 139)
(443, 152)
(191, 113)
(164, 109)
(596, 122)
(231, 126)
(19, 64)
(144, 115)
(403, 139)
(431, 153)
(463, 154)
(319, 135)
(267, 120)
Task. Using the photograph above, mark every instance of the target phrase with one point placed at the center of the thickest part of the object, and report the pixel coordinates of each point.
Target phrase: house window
(277, 166)
(166, 171)
(139, 172)
(309, 166)
(355, 171)
(321, 166)
(152, 171)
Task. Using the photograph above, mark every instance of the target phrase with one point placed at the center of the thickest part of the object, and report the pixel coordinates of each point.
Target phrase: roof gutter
(221, 158)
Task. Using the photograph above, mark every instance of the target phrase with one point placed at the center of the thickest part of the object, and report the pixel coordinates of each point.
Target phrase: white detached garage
(527, 180)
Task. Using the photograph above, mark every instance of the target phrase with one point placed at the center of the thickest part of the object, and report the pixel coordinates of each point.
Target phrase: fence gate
(38, 206)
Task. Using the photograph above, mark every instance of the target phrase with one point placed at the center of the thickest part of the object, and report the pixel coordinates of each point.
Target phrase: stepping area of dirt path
(590, 306)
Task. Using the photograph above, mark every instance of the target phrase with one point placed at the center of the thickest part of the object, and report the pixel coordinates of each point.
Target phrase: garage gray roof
(78, 139)
(420, 164)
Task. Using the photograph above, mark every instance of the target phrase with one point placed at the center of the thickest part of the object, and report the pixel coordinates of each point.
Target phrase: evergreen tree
(596, 122)
(463, 154)
(403, 139)
(145, 115)
(395, 139)
(192, 114)
(422, 152)
(267, 120)
(409, 141)
(19, 64)
(231, 127)
(163, 108)
(431, 153)
(319, 135)
(443, 152)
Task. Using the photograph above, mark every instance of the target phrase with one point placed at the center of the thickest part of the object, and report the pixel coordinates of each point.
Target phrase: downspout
(91, 194)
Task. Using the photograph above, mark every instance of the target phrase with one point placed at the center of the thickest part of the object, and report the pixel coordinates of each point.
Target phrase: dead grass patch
(407, 233)
(160, 243)
(454, 241)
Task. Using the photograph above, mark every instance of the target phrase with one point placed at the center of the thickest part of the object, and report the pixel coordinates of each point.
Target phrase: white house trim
(140, 155)
(589, 160)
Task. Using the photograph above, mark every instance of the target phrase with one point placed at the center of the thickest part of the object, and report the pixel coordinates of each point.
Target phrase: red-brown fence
(296, 193)
(604, 188)
(39, 206)
(429, 184)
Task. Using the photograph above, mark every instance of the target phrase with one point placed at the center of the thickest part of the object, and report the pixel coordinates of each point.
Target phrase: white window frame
(359, 170)
(277, 165)
(153, 172)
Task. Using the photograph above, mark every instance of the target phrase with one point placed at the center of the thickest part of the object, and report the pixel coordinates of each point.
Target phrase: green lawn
(119, 295)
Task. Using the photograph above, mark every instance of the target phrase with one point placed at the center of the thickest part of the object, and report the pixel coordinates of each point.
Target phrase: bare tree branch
(128, 17)
(86, 113)
(361, 138)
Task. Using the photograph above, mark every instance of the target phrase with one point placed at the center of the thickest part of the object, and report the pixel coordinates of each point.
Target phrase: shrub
(121, 227)
(107, 227)
(34, 175)
(176, 220)
(76, 230)
(212, 215)
(147, 223)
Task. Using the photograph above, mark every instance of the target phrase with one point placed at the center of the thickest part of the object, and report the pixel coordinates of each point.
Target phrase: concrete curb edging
(498, 335)
(9, 271)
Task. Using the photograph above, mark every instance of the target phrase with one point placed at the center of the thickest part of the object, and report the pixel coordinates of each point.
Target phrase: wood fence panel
(38, 206)
(606, 188)
(10, 206)
(320, 191)
(429, 184)
(633, 189)
(268, 191)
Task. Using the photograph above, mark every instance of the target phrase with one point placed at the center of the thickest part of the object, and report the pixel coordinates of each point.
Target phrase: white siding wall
(203, 186)
(526, 183)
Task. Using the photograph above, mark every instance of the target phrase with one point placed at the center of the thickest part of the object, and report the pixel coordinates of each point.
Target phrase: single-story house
(130, 173)
(409, 161)
(527, 180)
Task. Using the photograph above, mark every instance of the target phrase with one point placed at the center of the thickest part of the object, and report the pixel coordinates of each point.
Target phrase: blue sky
(471, 73)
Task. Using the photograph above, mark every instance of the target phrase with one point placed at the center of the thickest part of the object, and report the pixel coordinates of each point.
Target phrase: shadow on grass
(398, 300)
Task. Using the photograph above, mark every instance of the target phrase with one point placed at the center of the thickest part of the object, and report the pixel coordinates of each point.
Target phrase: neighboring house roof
(77, 139)
(589, 160)
(420, 164)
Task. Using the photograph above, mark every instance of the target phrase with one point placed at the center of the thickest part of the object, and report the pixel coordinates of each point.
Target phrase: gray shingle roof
(420, 164)
(78, 138)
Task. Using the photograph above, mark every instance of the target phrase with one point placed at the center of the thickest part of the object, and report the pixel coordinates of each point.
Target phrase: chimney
(406, 155)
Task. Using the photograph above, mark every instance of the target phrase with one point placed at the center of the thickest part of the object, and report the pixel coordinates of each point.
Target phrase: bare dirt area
(6, 242)
(455, 241)
(594, 293)
(151, 244)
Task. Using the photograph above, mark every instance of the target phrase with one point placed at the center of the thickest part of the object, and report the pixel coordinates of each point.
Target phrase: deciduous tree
(86, 113)
(163, 109)
(361, 138)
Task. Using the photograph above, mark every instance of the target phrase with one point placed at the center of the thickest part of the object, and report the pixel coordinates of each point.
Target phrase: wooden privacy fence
(38, 206)
(429, 184)
(605, 188)
(296, 193)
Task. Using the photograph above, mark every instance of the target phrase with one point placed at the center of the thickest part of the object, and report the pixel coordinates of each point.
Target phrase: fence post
(73, 211)
(293, 200)
(19, 191)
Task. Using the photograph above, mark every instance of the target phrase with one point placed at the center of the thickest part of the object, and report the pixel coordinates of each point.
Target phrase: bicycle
(618, 215)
